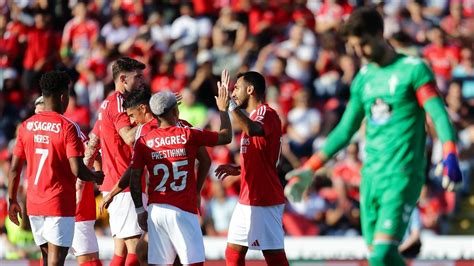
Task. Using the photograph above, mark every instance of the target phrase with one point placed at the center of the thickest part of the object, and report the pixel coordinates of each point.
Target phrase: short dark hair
(125, 64)
(54, 83)
(256, 80)
(364, 22)
(137, 97)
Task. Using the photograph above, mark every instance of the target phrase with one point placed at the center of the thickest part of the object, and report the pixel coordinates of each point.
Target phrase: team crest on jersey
(29, 126)
(150, 143)
(380, 112)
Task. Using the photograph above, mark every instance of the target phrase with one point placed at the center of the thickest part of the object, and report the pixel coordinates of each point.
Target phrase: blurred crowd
(298, 47)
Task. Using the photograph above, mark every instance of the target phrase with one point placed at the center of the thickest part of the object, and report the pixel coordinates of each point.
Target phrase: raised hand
(222, 98)
(225, 80)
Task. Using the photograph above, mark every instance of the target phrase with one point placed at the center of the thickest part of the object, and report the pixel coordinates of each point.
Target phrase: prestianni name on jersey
(43, 126)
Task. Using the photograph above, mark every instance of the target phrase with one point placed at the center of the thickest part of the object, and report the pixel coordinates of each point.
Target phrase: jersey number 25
(177, 174)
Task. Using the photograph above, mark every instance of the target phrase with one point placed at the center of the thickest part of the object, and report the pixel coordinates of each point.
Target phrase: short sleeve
(421, 75)
(121, 120)
(267, 119)
(19, 149)
(96, 128)
(74, 141)
(202, 137)
(138, 162)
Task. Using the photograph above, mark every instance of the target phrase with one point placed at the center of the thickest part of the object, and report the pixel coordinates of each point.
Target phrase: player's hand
(104, 204)
(298, 181)
(142, 220)
(450, 172)
(13, 211)
(222, 98)
(225, 170)
(99, 177)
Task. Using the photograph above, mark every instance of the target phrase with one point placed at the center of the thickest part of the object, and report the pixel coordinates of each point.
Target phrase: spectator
(41, 51)
(219, 210)
(304, 124)
(79, 33)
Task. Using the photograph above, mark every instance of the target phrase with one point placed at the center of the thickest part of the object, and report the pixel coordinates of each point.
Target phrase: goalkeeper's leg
(396, 198)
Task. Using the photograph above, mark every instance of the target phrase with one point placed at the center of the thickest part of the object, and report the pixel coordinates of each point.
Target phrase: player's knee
(386, 254)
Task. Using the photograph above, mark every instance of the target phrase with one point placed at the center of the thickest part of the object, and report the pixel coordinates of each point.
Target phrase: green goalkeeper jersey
(394, 121)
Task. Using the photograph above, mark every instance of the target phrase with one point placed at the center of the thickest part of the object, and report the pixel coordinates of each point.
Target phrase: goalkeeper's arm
(300, 179)
(428, 97)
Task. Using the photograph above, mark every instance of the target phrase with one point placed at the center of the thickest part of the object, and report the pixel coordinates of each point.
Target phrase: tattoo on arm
(92, 150)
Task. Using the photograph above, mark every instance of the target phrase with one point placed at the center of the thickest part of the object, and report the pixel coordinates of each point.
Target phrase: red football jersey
(116, 154)
(86, 208)
(47, 140)
(259, 157)
(169, 155)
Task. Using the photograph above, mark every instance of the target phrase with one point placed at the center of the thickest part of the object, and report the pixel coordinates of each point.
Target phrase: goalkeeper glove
(300, 179)
(449, 169)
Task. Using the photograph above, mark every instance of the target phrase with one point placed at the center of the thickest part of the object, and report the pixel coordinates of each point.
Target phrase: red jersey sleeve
(96, 129)
(74, 141)
(19, 150)
(138, 162)
(121, 120)
(202, 137)
(266, 119)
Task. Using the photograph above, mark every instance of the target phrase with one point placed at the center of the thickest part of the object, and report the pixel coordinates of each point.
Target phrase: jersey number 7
(44, 155)
(176, 174)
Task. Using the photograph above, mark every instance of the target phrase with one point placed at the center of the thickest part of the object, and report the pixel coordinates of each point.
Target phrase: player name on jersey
(163, 154)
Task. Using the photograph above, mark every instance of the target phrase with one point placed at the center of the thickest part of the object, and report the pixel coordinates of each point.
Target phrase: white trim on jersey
(261, 113)
(119, 103)
(79, 131)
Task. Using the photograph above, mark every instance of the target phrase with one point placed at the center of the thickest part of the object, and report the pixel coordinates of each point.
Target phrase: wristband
(449, 147)
(232, 105)
(140, 210)
(314, 163)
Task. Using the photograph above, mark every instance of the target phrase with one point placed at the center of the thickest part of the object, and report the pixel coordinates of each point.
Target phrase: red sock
(91, 263)
(197, 264)
(117, 261)
(276, 258)
(132, 260)
(234, 258)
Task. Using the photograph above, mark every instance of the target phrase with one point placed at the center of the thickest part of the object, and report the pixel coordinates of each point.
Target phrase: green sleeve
(421, 74)
(435, 108)
(349, 124)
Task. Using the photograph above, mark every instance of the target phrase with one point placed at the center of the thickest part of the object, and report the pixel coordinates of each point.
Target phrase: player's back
(260, 185)
(116, 154)
(395, 125)
(47, 140)
(170, 154)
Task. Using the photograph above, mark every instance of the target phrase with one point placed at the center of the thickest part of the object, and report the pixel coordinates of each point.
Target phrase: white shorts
(56, 230)
(171, 232)
(257, 227)
(122, 216)
(85, 240)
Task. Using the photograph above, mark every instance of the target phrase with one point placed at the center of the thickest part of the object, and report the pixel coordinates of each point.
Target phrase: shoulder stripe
(78, 129)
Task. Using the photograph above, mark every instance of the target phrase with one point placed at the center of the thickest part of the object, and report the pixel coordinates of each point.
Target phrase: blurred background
(297, 46)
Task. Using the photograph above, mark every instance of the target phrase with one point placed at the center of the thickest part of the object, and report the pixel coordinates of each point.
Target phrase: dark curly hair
(125, 64)
(137, 97)
(54, 83)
